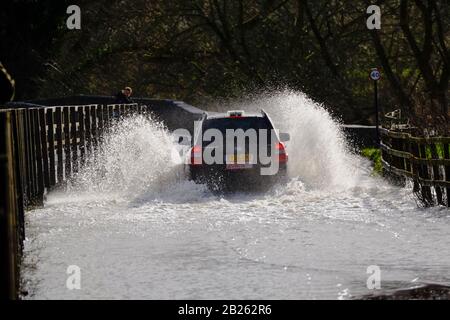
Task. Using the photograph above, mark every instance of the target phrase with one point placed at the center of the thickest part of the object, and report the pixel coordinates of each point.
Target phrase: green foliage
(440, 149)
(374, 155)
(428, 154)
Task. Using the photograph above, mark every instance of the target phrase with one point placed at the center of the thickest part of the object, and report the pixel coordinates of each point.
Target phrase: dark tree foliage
(28, 31)
(202, 50)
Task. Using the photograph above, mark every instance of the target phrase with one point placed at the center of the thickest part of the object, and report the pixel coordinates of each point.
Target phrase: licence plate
(235, 166)
(241, 158)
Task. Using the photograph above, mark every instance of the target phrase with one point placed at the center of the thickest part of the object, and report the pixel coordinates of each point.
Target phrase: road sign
(375, 75)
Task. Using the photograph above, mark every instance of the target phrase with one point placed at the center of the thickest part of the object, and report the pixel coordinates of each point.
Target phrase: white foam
(138, 159)
(318, 151)
(137, 156)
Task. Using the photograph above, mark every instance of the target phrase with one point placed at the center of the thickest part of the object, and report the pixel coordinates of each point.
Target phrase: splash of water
(138, 159)
(318, 151)
(136, 156)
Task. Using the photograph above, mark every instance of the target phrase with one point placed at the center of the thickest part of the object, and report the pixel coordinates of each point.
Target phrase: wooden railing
(41, 148)
(424, 160)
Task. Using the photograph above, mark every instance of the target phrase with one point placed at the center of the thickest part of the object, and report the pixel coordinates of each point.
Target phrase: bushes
(374, 155)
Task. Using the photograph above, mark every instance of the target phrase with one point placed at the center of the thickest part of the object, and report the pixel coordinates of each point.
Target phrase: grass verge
(373, 154)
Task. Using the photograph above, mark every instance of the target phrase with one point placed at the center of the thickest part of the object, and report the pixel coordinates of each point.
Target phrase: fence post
(81, 134)
(59, 144)
(423, 173)
(117, 111)
(105, 117)
(436, 173)
(73, 137)
(87, 135)
(110, 112)
(19, 160)
(9, 248)
(414, 150)
(447, 170)
(94, 130)
(101, 119)
(44, 146)
(51, 146)
(31, 158)
(39, 197)
(67, 162)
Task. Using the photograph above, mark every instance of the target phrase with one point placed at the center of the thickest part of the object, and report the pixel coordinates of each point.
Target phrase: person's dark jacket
(122, 98)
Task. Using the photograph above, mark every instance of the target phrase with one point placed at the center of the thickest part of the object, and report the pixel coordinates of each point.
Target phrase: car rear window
(243, 123)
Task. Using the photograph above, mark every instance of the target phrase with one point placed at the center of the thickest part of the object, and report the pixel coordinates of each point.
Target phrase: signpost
(375, 75)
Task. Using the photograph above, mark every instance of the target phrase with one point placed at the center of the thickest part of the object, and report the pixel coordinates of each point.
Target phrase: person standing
(124, 96)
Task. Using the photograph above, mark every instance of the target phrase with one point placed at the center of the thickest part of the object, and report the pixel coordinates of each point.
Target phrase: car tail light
(196, 155)
(281, 151)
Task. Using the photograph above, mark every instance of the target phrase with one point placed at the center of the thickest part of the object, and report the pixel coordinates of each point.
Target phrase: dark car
(240, 166)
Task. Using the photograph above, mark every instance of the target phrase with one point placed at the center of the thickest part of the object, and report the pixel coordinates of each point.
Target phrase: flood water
(137, 229)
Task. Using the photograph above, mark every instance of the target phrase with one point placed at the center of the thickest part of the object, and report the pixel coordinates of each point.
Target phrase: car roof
(220, 115)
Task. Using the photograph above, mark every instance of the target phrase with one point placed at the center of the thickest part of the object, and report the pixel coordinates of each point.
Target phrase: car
(233, 151)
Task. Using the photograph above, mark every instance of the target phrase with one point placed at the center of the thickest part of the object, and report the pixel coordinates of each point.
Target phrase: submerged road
(138, 230)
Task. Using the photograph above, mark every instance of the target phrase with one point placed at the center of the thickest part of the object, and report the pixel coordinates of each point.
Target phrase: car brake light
(282, 154)
(196, 155)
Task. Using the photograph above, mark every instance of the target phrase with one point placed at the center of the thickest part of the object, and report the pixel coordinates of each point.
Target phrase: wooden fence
(424, 160)
(41, 148)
